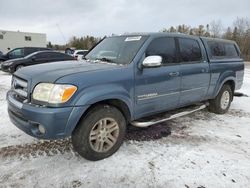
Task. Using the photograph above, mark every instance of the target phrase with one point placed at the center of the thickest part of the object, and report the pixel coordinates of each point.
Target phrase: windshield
(118, 49)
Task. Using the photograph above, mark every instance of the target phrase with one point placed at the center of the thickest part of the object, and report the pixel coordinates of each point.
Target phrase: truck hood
(50, 72)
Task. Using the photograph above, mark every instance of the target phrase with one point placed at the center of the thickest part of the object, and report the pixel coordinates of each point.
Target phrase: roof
(162, 34)
(4, 31)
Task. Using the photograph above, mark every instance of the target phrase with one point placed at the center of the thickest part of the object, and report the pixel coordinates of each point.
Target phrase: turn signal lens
(68, 92)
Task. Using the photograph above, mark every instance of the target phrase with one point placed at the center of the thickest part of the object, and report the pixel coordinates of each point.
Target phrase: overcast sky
(61, 19)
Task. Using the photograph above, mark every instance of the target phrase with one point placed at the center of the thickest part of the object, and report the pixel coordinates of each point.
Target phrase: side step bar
(152, 122)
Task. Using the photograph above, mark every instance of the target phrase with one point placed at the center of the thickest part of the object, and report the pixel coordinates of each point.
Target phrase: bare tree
(216, 28)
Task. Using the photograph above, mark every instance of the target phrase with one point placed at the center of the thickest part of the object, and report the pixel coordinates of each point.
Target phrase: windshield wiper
(105, 59)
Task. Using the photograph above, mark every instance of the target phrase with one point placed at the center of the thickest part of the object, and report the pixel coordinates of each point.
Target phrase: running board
(180, 114)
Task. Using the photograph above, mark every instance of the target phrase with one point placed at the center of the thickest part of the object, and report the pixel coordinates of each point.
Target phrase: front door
(158, 89)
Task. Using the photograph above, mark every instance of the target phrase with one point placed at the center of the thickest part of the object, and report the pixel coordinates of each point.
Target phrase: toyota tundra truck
(126, 80)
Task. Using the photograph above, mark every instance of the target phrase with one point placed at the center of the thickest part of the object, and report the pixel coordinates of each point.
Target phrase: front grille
(20, 87)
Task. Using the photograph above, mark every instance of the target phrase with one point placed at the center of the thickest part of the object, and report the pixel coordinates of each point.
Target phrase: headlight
(53, 93)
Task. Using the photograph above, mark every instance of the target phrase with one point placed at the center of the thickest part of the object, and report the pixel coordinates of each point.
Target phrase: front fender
(99, 93)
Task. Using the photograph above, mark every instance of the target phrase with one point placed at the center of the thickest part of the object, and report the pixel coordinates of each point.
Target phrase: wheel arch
(230, 81)
(116, 102)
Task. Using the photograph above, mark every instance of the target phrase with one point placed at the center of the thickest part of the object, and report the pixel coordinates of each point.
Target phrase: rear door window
(28, 51)
(53, 55)
(190, 50)
(164, 47)
(42, 55)
(59, 56)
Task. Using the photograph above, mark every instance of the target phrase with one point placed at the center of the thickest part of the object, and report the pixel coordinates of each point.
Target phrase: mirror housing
(152, 61)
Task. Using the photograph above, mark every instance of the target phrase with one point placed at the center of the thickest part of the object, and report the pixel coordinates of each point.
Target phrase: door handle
(173, 74)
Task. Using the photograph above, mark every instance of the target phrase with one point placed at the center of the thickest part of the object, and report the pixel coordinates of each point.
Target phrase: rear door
(158, 89)
(194, 69)
(41, 57)
(57, 56)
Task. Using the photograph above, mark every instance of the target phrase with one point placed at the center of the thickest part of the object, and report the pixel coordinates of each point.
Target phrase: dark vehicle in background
(79, 54)
(20, 52)
(69, 51)
(33, 59)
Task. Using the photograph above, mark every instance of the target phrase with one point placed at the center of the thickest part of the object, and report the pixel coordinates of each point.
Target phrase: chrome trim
(152, 61)
(149, 123)
(15, 102)
(20, 82)
(192, 89)
(21, 92)
(156, 96)
(162, 95)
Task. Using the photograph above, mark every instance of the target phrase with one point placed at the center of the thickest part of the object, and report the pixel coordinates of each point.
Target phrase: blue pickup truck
(124, 80)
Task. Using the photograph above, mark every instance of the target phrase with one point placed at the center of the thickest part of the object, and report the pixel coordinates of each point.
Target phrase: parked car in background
(125, 80)
(69, 51)
(79, 54)
(1, 53)
(33, 59)
(20, 52)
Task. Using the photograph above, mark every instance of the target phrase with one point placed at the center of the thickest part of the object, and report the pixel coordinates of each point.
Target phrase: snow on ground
(203, 150)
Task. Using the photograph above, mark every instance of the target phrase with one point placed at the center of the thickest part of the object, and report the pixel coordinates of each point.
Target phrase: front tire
(100, 133)
(222, 101)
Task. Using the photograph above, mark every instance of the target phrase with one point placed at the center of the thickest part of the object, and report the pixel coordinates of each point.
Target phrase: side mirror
(152, 61)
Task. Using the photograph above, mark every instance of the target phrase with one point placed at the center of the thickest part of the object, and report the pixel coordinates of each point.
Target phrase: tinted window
(164, 47)
(220, 50)
(189, 50)
(42, 55)
(230, 50)
(16, 53)
(216, 49)
(80, 53)
(30, 50)
(57, 55)
(54, 55)
(65, 56)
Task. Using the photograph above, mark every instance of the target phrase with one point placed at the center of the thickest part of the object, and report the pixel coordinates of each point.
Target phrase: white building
(15, 39)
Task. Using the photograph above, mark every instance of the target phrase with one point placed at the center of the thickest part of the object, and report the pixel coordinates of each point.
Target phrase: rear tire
(222, 101)
(100, 133)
